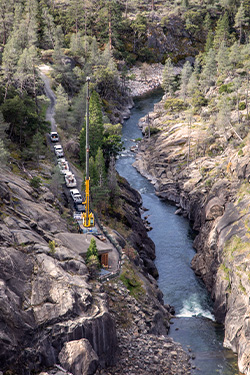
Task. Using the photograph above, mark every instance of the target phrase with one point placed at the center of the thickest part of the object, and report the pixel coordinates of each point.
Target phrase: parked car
(79, 207)
(54, 137)
(70, 179)
(58, 151)
(63, 165)
(75, 195)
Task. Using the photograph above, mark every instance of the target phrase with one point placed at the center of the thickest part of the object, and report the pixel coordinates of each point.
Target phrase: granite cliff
(56, 320)
(46, 298)
(208, 180)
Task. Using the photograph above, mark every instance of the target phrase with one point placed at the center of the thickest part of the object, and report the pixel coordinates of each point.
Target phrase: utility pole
(88, 217)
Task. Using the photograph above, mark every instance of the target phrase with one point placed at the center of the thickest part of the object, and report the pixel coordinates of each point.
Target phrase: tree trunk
(110, 29)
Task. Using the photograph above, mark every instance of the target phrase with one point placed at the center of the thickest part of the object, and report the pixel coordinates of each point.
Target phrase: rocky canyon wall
(213, 193)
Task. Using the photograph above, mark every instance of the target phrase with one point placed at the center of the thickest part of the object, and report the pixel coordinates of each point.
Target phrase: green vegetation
(35, 182)
(227, 275)
(92, 259)
(175, 105)
(52, 246)
(132, 282)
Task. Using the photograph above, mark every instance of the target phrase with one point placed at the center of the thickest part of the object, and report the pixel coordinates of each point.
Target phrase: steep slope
(46, 299)
(212, 190)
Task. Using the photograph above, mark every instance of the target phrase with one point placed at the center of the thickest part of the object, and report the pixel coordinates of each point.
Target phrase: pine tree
(37, 147)
(3, 128)
(240, 20)
(100, 167)
(92, 172)
(237, 82)
(223, 120)
(168, 77)
(49, 30)
(92, 250)
(222, 58)
(221, 31)
(209, 41)
(185, 76)
(61, 107)
(193, 83)
(4, 154)
(26, 75)
(56, 181)
(234, 55)
(96, 128)
(6, 19)
(9, 61)
(207, 24)
(208, 73)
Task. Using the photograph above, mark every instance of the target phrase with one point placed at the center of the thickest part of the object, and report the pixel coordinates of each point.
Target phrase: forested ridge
(103, 39)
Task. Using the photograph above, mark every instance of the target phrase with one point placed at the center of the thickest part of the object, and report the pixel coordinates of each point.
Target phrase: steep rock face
(213, 193)
(45, 298)
(137, 234)
(172, 38)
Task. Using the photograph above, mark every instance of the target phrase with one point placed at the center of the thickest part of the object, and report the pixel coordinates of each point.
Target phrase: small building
(80, 244)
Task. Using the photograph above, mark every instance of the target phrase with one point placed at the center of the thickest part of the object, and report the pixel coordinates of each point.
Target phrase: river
(194, 325)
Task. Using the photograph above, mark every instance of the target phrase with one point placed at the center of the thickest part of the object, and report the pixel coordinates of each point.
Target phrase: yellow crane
(87, 216)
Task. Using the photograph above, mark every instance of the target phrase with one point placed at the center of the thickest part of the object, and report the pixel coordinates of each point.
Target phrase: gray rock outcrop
(46, 300)
(79, 357)
(213, 192)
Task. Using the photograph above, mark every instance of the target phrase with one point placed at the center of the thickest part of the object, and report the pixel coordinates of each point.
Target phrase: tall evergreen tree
(100, 167)
(61, 107)
(193, 83)
(209, 41)
(168, 77)
(222, 58)
(185, 76)
(241, 20)
(96, 128)
(234, 55)
(49, 29)
(221, 31)
(6, 19)
(208, 73)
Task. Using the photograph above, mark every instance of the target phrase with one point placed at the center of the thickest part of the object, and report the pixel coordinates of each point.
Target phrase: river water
(194, 325)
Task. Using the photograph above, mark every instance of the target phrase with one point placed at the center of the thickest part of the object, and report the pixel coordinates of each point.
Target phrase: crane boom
(88, 217)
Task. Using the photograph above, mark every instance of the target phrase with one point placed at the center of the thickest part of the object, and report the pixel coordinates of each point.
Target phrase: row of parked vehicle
(63, 165)
(69, 177)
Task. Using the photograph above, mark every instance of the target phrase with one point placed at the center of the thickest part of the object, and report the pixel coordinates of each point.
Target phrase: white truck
(70, 179)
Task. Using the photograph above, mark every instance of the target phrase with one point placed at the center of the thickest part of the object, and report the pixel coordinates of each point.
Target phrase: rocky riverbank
(53, 315)
(208, 182)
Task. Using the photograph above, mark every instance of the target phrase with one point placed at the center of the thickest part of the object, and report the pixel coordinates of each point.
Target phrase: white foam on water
(143, 190)
(192, 307)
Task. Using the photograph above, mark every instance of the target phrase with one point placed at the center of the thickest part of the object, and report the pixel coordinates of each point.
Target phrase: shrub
(175, 105)
(152, 130)
(198, 100)
(35, 182)
(52, 246)
(226, 88)
(242, 106)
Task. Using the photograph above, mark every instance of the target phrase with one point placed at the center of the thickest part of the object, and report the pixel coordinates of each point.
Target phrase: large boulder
(79, 357)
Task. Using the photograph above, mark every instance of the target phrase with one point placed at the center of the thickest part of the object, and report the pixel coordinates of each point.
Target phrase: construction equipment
(87, 216)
